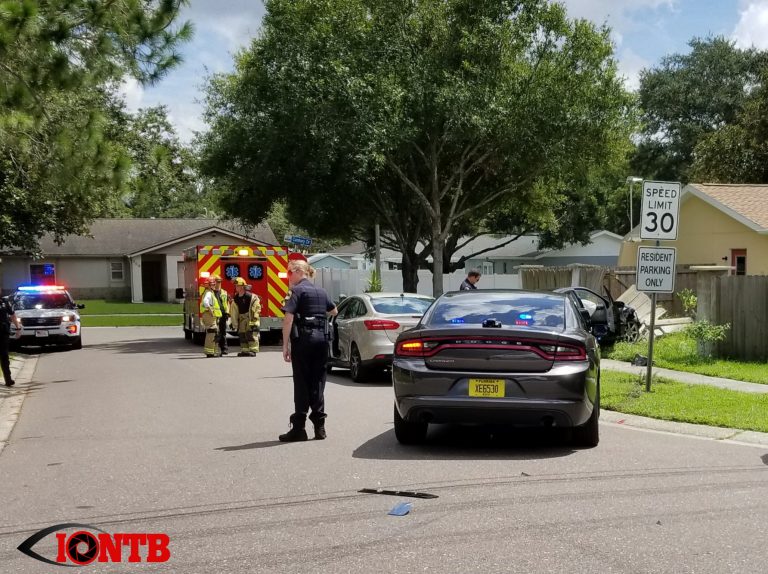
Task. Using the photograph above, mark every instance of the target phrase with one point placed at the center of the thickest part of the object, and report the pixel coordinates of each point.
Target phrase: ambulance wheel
(187, 334)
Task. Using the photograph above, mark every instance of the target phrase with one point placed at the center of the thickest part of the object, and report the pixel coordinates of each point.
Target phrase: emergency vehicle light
(205, 274)
(42, 288)
(243, 252)
(282, 275)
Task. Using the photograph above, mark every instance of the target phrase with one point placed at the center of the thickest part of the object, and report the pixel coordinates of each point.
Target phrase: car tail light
(410, 348)
(381, 324)
(565, 352)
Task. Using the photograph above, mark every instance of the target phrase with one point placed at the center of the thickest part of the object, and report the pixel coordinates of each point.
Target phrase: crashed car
(611, 320)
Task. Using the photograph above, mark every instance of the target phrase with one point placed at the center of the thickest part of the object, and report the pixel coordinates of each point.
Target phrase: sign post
(656, 265)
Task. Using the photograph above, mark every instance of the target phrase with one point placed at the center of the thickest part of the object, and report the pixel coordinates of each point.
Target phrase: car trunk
(490, 350)
(405, 321)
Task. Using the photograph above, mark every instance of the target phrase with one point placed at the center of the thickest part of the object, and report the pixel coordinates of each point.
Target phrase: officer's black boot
(297, 432)
(319, 423)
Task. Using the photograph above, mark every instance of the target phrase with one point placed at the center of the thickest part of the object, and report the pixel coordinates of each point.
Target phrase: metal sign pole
(651, 337)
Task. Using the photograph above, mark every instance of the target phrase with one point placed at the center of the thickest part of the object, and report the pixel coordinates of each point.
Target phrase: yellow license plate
(486, 387)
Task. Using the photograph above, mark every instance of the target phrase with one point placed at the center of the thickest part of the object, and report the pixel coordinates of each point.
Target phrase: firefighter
(245, 311)
(223, 298)
(211, 312)
(305, 346)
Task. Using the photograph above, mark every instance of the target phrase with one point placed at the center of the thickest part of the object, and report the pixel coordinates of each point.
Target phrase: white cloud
(614, 12)
(752, 29)
(630, 66)
(132, 92)
(236, 21)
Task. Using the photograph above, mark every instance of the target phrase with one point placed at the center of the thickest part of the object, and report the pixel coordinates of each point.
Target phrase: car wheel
(78, 344)
(187, 334)
(329, 367)
(357, 370)
(588, 434)
(632, 331)
(408, 432)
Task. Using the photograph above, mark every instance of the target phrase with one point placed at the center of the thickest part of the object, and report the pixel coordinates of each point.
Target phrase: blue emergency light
(41, 288)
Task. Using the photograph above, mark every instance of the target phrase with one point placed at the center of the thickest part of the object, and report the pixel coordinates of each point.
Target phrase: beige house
(720, 224)
(128, 259)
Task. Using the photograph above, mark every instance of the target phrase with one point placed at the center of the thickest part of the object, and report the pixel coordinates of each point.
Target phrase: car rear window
(400, 305)
(27, 301)
(511, 309)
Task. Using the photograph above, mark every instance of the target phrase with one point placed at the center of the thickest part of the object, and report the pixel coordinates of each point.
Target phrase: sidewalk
(11, 398)
(683, 377)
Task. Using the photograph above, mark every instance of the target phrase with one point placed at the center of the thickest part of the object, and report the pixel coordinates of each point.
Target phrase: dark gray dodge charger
(521, 358)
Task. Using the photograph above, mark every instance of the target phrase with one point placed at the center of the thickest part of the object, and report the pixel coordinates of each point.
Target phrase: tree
(424, 114)
(689, 96)
(58, 167)
(738, 153)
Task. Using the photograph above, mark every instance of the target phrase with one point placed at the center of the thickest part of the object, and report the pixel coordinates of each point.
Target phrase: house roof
(321, 256)
(136, 236)
(747, 203)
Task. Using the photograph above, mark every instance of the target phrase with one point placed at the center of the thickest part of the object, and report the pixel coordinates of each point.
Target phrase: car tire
(329, 367)
(187, 334)
(78, 344)
(408, 432)
(632, 331)
(588, 434)
(357, 371)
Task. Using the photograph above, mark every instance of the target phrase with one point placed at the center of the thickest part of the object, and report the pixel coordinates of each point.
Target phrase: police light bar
(42, 288)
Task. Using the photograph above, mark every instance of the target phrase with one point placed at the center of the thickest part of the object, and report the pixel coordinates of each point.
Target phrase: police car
(48, 315)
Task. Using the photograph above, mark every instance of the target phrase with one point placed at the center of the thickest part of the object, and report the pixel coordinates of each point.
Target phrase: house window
(739, 261)
(42, 273)
(116, 272)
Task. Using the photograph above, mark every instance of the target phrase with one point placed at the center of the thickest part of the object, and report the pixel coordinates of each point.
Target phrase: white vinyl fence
(353, 281)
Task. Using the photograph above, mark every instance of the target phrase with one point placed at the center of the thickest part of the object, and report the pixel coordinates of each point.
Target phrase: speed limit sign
(661, 210)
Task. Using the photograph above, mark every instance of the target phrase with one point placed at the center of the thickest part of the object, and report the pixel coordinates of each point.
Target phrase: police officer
(7, 315)
(305, 346)
(470, 283)
(245, 310)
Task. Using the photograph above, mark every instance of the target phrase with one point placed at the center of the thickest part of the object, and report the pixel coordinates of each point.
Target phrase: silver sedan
(364, 332)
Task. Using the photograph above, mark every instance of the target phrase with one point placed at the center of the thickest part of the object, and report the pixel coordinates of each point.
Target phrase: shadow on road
(456, 442)
(165, 346)
(251, 446)
(342, 378)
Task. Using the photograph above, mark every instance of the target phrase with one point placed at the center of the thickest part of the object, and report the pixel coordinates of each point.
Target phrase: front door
(739, 261)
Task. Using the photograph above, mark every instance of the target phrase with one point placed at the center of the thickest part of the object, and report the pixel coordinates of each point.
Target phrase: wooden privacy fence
(741, 301)
(549, 278)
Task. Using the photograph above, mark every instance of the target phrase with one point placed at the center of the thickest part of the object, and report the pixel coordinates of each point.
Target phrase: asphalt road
(139, 433)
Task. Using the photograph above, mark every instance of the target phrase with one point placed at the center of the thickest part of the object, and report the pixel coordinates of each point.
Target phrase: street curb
(720, 434)
(22, 370)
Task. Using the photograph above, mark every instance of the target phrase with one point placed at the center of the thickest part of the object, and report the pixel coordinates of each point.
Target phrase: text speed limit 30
(661, 210)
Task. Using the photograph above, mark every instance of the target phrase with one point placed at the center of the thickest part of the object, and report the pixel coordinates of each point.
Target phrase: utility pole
(377, 248)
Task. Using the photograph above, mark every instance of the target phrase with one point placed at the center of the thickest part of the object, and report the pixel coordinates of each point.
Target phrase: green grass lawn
(130, 321)
(672, 401)
(678, 351)
(102, 307)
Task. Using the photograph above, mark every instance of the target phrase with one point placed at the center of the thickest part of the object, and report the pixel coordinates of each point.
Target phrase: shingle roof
(749, 201)
(125, 236)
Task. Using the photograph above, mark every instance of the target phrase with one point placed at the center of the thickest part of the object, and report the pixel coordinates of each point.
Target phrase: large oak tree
(425, 115)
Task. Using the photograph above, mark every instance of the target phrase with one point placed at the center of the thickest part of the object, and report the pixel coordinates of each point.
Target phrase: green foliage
(374, 283)
(672, 401)
(425, 115)
(680, 352)
(689, 300)
(705, 332)
(686, 98)
(59, 164)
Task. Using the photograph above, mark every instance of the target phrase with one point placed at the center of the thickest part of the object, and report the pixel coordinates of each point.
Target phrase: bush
(690, 301)
(374, 283)
(706, 332)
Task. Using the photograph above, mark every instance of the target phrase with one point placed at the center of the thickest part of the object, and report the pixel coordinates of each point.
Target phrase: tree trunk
(438, 244)
(410, 273)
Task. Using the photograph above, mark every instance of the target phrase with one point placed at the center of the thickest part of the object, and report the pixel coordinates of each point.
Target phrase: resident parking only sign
(661, 210)
(656, 269)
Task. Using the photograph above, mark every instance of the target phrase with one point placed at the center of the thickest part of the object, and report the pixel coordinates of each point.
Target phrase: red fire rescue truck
(264, 267)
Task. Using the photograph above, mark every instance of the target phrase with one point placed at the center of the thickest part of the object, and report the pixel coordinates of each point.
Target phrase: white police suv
(48, 315)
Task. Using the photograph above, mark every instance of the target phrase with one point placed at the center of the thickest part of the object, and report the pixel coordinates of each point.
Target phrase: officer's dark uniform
(309, 355)
(6, 311)
(466, 285)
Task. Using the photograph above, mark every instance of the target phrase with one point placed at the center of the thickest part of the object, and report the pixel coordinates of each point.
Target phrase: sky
(643, 32)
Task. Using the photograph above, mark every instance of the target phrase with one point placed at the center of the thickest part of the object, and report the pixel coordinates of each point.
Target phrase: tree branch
(413, 187)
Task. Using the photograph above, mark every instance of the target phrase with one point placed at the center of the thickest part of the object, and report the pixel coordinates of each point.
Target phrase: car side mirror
(179, 293)
(81, 305)
(600, 307)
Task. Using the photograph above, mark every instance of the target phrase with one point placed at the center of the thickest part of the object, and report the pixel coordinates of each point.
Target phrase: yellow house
(720, 224)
